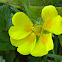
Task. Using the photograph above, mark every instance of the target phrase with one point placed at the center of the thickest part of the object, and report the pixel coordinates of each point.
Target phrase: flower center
(37, 29)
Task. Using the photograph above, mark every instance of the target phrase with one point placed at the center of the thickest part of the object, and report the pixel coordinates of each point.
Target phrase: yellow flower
(23, 33)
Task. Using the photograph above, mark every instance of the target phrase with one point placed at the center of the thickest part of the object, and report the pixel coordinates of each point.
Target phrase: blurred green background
(32, 8)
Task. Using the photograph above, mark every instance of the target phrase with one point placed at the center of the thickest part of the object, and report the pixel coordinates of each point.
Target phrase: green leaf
(5, 17)
(34, 59)
(60, 38)
(1, 4)
(39, 19)
(14, 3)
(35, 11)
(54, 56)
(5, 42)
(17, 3)
(33, 21)
(4, 37)
(1, 58)
(56, 44)
(61, 42)
(11, 2)
(43, 2)
(5, 23)
(6, 46)
(10, 56)
(45, 59)
(45, 31)
(59, 9)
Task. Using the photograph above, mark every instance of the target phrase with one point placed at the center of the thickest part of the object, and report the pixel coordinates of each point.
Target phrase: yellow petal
(49, 42)
(46, 39)
(28, 45)
(49, 12)
(22, 26)
(16, 43)
(42, 47)
(54, 26)
(18, 32)
(21, 19)
(39, 50)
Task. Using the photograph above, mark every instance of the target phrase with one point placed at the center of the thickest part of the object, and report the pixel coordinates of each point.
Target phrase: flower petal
(21, 19)
(39, 50)
(18, 32)
(43, 45)
(49, 41)
(54, 26)
(28, 45)
(49, 12)
(15, 42)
